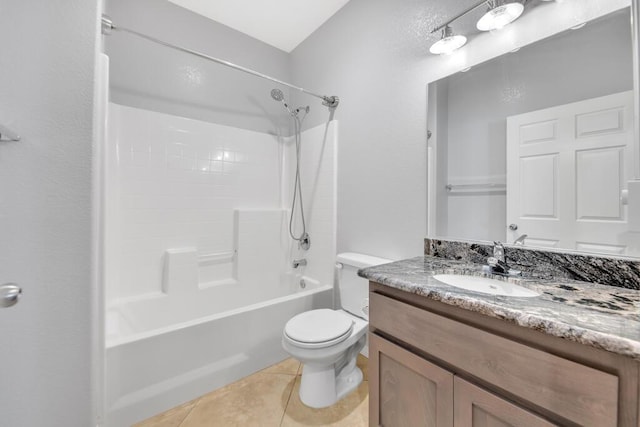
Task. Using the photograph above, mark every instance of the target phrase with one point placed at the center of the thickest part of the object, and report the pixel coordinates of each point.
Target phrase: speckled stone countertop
(600, 316)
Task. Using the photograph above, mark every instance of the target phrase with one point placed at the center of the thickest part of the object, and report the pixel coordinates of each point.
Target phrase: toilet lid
(318, 326)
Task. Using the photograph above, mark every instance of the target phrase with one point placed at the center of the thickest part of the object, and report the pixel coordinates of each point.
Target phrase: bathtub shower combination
(199, 273)
(214, 237)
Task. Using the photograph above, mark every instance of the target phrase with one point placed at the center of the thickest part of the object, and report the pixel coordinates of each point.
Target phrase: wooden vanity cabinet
(434, 365)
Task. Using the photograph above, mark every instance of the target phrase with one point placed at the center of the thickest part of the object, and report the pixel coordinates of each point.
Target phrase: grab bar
(216, 258)
(485, 186)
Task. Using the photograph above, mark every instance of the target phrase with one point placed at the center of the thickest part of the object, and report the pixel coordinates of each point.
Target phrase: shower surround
(198, 257)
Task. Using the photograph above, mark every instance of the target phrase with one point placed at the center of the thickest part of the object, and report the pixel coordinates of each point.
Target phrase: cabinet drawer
(578, 393)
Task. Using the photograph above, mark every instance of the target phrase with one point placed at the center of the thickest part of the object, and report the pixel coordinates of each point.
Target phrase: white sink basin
(485, 285)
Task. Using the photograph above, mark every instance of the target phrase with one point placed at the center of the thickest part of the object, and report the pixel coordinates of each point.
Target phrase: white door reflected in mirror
(566, 168)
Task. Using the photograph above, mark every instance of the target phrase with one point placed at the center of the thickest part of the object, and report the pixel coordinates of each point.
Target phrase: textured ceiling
(280, 23)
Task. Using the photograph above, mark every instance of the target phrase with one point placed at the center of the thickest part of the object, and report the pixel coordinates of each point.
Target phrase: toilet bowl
(327, 342)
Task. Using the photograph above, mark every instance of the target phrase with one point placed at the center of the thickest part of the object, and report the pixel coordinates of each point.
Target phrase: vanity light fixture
(448, 43)
(499, 15)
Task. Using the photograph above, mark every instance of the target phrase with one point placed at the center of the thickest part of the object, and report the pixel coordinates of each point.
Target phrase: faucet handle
(492, 261)
(497, 265)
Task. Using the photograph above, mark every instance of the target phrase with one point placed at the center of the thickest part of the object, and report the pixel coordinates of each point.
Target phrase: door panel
(539, 181)
(599, 182)
(406, 390)
(600, 122)
(475, 407)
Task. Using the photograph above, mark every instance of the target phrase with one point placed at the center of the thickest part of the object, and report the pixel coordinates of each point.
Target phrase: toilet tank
(353, 290)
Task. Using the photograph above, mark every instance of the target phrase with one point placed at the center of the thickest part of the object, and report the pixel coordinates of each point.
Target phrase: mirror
(537, 147)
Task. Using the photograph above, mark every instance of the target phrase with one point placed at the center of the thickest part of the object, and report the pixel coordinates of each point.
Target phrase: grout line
(295, 378)
(197, 401)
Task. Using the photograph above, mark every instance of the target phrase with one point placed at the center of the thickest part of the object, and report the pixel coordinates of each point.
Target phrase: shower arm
(108, 27)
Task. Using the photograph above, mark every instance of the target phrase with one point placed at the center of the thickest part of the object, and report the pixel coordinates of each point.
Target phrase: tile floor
(268, 398)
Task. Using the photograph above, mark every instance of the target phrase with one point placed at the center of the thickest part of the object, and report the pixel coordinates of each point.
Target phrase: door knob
(9, 294)
(513, 227)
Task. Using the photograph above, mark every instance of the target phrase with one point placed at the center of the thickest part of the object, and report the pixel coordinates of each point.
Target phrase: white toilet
(327, 342)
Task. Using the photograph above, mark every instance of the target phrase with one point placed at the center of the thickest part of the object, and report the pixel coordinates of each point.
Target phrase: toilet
(327, 342)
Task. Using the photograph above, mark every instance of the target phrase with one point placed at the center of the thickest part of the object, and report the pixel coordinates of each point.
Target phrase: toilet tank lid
(360, 260)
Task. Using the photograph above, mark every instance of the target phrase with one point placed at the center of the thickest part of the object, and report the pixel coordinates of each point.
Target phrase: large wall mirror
(537, 146)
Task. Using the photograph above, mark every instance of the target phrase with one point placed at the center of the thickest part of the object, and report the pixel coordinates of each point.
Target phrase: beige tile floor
(268, 398)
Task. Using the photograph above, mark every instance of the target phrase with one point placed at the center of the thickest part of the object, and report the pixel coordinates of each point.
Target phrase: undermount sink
(485, 285)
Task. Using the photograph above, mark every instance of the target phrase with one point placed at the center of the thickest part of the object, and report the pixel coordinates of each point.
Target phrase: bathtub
(154, 370)
(198, 260)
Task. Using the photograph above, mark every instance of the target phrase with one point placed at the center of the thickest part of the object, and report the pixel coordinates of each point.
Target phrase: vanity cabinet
(436, 365)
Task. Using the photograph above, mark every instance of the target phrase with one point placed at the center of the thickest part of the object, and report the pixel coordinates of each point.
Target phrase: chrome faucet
(498, 251)
(498, 262)
(299, 262)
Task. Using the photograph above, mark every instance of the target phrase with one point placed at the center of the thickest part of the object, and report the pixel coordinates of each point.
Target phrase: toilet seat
(318, 328)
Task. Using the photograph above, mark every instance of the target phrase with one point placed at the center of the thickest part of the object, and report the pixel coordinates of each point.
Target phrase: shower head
(277, 94)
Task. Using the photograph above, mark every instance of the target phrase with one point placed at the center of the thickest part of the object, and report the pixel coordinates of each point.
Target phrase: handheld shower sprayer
(277, 95)
(303, 239)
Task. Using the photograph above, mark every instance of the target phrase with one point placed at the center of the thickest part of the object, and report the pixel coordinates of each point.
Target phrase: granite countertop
(599, 316)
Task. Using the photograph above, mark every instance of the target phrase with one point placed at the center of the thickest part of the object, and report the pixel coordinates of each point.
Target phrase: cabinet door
(406, 390)
(475, 407)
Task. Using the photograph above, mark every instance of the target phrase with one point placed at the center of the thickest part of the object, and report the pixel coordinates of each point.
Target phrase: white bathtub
(152, 371)
(198, 259)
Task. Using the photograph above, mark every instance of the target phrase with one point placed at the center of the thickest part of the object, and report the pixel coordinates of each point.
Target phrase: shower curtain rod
(108, 26)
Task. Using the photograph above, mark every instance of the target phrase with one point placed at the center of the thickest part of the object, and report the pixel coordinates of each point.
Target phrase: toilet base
(348, 384)
(319, 388)
(323, 385)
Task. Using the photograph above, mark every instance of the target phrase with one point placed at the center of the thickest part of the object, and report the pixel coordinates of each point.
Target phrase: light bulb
(448, 43)
(500, 16)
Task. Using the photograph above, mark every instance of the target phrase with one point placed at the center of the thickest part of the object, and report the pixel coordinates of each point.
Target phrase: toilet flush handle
(339, 265)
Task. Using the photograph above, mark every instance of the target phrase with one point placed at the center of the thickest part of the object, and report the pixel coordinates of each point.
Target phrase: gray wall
(576, 65)
(153, 77)
(372, 54)
(46, 94)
